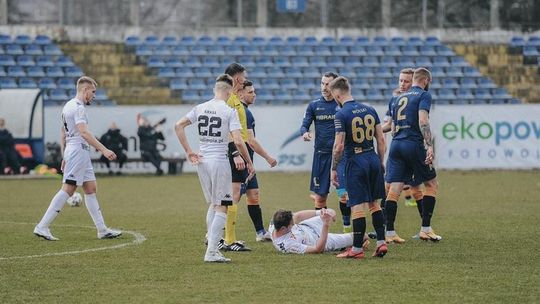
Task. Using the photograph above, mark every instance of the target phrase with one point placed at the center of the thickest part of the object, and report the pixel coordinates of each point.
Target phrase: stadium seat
(191, 96)
(35, 71)
(247, 61)
(216, 50)
(155, 62)
(270, 50)
(335, 62)
(441, 61)
(528, 51)
(287, 50)
(288, 83)
(264, 61)
(16, 71)
(374, 50)
(46, 83)
(380, 41)
(282, 61)
(205, 40)
(370, 61)
(346, 41)
(293, 41)
(353, 61)
(234, 50)
(197, 84)
(383, 72)
(250, 50)
(281, 96)
(358, 94)
(305, 50)
(347, 72)
(311, 41)
(151, 41)
(7, 60)
(169, 41)
(258, 72)
(392, 50)
(323, 50)
(405, 62)
(33, 49)
(423, 61)
(311, 72)
(162, 50)
(427, 50)
(410, 50)
(468, 83)
(446, 93)
(454, 71)
(133, 41)
(443, 50)
(241, 41)
(25, 60)
(178, 84)
(436, 83)
(432, 41)
(317, 61)
(64, 61)
(8, 83)
(364, 72)
(328, 41)
(300, 96)
(486, 83)
(198, 50)
(180, 50)
(73, 71)
(484, 94)
(389, 62)
(264, 95)
(58, 95)
(276, 41)
(500, 93)
(27, 83)
(379, 83)
(534, 41)
(398, 41)
(358, 50)
(66, 83)
(203, 72)
(374, 95)
(187, 41)
(14, 49)
(22, 39)
(339, 50)
(5, 39)
(517, 41)
(307, 83)
(258, 41)
(211, 62)
(166, 72)
(458, 61)
(465, 94)
(362, 41)
(361, 83)
(2, 72)
(143, 50)
(415, 41)
(193, 62)
(174, 62)
(450, 83)
(438, 72)
(275, 72)
(184, 72)
(270, 83)
(223, 41)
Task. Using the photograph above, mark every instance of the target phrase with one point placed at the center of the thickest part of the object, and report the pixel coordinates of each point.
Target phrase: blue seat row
(38, 71)
(25, 39)
(522, 42)
(42, 83)
(30, 60)
(30, 49)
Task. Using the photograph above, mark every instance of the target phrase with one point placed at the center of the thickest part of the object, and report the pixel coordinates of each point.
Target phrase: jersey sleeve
(374, 113)
(250, 120)
(308, 119)
(339, 122)
(192, 115)
(80, 115)
(425, 102)
(234, 121)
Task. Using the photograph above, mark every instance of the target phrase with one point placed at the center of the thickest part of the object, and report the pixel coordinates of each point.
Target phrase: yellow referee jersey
(235, 103)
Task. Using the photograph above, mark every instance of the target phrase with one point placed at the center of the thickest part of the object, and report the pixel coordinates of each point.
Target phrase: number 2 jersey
(214, 120)
(404, 112)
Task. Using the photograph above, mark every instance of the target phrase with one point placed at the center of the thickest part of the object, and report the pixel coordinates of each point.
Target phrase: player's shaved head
(408, 71)
(234, 68)
(223, 82)
(341, 84)
(85, 81)
(421, 74)
(282, 218)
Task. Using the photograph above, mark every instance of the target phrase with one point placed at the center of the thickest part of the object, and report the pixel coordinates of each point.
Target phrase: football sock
(216, 230)
(359, 229)
(256, 217)
(378, 224)
(345, 214)
(317, 208)
(54, 209)
(428, 205)
(92, 206)
(383, 207)
(391, 210)
(230, 227)
(209, 217)
(419, 206)
(379, 243)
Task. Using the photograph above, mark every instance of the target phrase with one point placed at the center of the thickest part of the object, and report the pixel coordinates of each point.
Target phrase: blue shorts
(320, 173)
(365, 182)
(406, 160)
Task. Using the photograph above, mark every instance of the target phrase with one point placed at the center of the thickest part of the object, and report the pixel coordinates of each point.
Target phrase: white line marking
(139, 239)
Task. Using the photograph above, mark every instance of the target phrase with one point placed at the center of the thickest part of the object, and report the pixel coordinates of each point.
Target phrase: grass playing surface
(489, 252)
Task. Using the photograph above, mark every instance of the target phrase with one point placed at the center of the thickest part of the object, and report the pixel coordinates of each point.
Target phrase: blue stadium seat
(66, 83)
(180, 50)
(346, 41)
(169, 41)
(454, 71)
(198, 50)
(234, 50)
(287, 50)
(388, 93)
(223, 41)
(379, 83)
(358, 94)
(251, 50)
(486, 83)
(133, 41)
(311, 41)
(328, 41)
(15, 71)
(500, 93)
(46, 83)
(364, 72)
(143, 50)
(281, 96)
(2, 72)
(258, 72)
(517, 41)
(35, 71)
(26, 61)
(362, 41)
(203, 72)
(205, 40)
(432, 41)
(276, 41)
(155, 62)
(307, 83)
(174, 62)
(374, 50)
(187, 41)
(178, 84)
(216, 50)
(353, 61)
(247, 61)
(436, 83)
(33, 49)
(305, 50)
(282, 61)
(8, 83)
(380, 41)
(258, 41)
(437, 72)
(224, 62)
(534, 41)
(398, 41)
(311, 72)
(383, 72)
(300, 96)
(275, 72)
(441, 61)
(191, 96)
(339, 50)
(347, 72)
(370, 61)
(293, 41)
(22, 39)
(362, 83)
(151, 41)
(211, 62)
(264, 61)
(415, 40)
(458, 61)
(270, 50)
(450, 83)
(197, 84)
(468, 83)
(514, 101)
(288, 83)
(193, 62)
(264, 95)
(73, 71)
(389, 61)
(270, 83)
(323, 50)
(14, 49)
(427, 50)
(410, 50)
(64, 61)
(58, 94)
(241, 41)
(358, 50)
(166, 72)
(184, 72)
(27, 83)
(447, 94)
(101, 95)
(528, 51)
(5, 39)
(405, 62)
(392, 50)
(465, 94)
(423, 61)
(335, 62)
(483, 94)
(443, 50)
(374, 95)
(2, 52)
(317, 61)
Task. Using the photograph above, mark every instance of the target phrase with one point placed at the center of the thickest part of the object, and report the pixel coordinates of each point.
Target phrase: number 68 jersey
(214, 120)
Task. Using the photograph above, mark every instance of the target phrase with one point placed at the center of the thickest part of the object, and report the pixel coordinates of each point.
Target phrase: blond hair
(85, 80)
(408, 71)
(421, 74)
(341, 83)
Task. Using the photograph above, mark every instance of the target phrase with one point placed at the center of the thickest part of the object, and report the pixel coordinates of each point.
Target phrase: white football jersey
(74, 113)
(214, 120)
(297, 240)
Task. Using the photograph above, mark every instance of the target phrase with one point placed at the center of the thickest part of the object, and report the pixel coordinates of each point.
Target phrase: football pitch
(489, 252)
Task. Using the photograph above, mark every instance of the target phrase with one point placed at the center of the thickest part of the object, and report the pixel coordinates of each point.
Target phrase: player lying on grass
(306, 231)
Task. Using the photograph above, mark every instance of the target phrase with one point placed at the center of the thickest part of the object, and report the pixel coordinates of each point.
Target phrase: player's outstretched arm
(321, 243)
(179, 128)
(92, 140)
(258, 148)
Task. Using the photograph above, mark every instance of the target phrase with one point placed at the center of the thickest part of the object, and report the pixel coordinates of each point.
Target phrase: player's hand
(110, 155)
(306, 136)
(194, 158)
(62, 165)
(239, 162)
(334, 178)
(331, 212)
(326, 217)
(251, 171)
(272, 162)
(430, 156)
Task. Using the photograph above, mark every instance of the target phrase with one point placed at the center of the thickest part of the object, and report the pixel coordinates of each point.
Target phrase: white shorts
(78, 168)
(216, 181)
(335, 241)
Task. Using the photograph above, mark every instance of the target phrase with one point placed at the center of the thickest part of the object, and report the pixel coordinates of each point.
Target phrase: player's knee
(252, 198)
(386, 188)
(320, 201)
(417, 193)
(356, 214)
(431, 189)
(342, 195)
(392, 195)
(374, 208)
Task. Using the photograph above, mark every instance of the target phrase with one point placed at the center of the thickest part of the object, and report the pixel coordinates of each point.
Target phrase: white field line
(139, 239)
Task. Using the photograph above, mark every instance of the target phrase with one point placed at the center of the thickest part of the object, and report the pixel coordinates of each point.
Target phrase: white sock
(356, 249)
(209, 218)
(379, 243)
(390, 233)
(426, 229)
(216, 231)
(57, 203)
(93, 208)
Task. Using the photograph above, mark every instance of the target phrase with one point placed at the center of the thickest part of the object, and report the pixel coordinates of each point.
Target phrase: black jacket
(149, 137)
(6, 140)
(114, 141)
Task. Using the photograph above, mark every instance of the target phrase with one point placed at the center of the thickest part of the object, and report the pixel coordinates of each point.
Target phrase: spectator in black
(9, 158)
(117, 143)
(148, 138)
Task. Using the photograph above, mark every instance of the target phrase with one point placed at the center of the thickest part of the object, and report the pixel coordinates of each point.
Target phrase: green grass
(489, 254)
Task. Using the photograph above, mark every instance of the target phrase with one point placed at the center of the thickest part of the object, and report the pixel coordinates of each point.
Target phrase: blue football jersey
(404, 113)
(323, 113)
